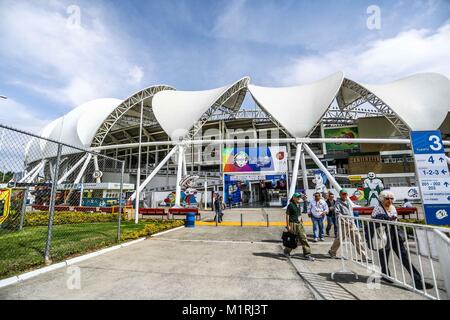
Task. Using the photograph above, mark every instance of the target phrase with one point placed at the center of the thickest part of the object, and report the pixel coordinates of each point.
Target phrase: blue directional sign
(433, 175)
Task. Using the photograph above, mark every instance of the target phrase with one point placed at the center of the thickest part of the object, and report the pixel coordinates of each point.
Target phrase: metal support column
(47, 258)
(304, 172)
(295, 171)
(179, 175)
(138, 174)
(322, 167)
(121, 198)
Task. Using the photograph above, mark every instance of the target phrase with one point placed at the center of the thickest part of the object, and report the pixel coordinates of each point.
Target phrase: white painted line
(37, 272)
(167, 231)
(8, 281)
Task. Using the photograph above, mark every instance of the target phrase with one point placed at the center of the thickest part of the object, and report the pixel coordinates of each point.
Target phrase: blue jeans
(317, 227)
(331, 221)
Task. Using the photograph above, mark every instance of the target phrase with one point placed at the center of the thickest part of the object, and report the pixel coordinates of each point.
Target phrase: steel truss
(378, 104)
(239, 88)
(122, 109)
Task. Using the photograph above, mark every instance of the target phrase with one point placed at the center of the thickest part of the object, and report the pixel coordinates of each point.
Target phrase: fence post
(122, 170)
(24, 207)
(47, 258)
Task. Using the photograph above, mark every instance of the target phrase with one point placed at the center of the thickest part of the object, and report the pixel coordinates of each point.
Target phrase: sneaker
(286, 253)
(309, 258)
(315, 240)
(322, 239)
(332, 256)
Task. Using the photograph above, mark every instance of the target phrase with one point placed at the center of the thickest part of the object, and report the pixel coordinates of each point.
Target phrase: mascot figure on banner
(372, 188)
(188, 193)
(188, 186)
(320, 180)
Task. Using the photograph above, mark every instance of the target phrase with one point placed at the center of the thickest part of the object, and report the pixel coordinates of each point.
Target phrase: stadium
(248, 140)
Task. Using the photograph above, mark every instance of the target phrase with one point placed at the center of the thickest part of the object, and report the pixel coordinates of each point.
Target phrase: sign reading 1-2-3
(433, 175)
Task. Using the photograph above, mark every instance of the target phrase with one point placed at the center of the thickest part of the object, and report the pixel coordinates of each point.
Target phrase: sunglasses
(389, 198)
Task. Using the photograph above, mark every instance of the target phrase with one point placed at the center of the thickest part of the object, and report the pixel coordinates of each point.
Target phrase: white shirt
(316, 208)
(407, 204)
(378, 210)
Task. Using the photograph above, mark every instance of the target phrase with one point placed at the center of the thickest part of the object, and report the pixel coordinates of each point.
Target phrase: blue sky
(48, 67)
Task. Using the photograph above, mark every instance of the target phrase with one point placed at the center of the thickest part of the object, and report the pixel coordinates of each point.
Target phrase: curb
(68, 262)
(164, 232)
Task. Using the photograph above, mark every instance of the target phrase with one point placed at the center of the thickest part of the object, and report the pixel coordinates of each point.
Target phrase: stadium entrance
(255, 177)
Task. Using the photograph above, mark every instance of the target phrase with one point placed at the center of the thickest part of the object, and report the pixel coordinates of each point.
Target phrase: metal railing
(419, 254)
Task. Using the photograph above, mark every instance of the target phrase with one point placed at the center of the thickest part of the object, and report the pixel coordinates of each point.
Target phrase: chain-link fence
(56, 201)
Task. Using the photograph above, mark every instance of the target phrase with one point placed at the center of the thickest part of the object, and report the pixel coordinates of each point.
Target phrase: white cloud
(20, 116)
(68, 64)
(379, 61)
(135, 75)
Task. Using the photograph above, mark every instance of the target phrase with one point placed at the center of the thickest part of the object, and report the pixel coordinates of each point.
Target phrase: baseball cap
(343, 191)
(297, 195)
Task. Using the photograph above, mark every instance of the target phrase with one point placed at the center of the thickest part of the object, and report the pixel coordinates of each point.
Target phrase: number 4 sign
(433, 176)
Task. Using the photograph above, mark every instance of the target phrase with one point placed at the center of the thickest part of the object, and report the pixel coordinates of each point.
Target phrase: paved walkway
(200, 263)
(208, 263)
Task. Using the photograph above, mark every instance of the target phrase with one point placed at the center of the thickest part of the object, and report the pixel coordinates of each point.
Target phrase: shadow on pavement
(271, 241)
(278, 256)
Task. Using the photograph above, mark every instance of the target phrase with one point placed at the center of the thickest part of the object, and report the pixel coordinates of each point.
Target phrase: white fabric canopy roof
(76, 128)
(421, 101)
(177, 111)
(298, 108)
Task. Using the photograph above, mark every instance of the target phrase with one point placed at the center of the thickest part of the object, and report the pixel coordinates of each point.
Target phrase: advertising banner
(255, 160)
(5, 199)
(341, 132)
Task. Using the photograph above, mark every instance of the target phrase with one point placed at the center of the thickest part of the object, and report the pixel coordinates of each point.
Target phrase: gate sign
(433, 175)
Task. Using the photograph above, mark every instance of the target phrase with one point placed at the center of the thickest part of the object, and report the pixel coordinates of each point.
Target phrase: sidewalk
(209, 263)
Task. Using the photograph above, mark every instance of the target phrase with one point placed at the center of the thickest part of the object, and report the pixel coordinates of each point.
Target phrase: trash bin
(190, 220)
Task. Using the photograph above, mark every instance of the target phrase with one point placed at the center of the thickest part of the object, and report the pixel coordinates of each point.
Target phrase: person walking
(331, 215)
(386, 211)
(218, 208)
(294, 224)
(305, 203)
(344, 207)
(317, 210)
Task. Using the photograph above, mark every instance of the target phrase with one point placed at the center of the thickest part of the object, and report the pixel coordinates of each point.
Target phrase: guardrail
(372, 245)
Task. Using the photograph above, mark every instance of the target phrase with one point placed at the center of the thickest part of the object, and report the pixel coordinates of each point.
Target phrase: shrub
(152, 228)
(40, 218)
